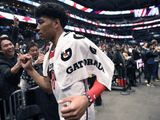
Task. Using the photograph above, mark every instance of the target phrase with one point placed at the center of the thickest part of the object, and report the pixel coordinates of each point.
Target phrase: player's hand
(20, 58)
(27, 62)
(76, 107)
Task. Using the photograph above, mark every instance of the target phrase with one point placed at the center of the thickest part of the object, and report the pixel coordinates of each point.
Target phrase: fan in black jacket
(10, 67)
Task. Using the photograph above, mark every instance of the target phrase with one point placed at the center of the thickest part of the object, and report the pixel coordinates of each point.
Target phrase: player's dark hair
(53, 11)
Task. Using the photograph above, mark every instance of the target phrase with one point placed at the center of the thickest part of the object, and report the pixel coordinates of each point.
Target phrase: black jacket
(8, 81)
(118, 58)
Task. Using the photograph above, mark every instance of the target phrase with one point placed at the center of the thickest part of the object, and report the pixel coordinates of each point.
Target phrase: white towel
(76, 58)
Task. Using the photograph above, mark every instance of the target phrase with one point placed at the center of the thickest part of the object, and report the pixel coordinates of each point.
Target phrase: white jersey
(75, 59)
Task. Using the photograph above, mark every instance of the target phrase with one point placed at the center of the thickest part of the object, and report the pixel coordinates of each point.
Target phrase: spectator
(151, 54)
(119, 61)
(10, 67)
(38, 96)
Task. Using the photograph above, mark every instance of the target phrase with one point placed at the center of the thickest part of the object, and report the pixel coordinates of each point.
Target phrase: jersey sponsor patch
(84, 63)
(67, 54)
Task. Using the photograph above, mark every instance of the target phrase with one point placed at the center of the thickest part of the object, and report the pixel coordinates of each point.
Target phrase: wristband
(90, 100)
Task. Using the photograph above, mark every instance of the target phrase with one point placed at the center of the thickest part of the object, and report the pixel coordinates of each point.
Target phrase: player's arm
(95, 91)
(43, 82)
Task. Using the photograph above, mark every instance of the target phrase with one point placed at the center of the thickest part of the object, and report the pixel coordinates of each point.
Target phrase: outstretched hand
(27, 62)
(20, 58)
(75, 108)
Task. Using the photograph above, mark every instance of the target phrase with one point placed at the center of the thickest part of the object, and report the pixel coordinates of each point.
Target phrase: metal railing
(16, 102)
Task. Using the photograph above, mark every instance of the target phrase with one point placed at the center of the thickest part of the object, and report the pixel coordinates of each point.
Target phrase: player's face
(46, 28)
(7, 48)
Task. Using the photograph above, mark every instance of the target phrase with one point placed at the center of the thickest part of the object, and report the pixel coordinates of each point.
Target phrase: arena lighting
(156, 35)
(72, 28)
(150, 11)
(21, 18)
(30, 2)
(89, 10)
(112, 25)
(139, 12)
(27, 19)
(146, 27)
(103, 24)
